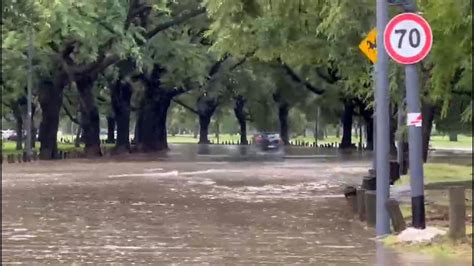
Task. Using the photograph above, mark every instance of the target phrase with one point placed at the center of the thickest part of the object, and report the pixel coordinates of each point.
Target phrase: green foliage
(451, 22)
(318, 40)
(452, 122)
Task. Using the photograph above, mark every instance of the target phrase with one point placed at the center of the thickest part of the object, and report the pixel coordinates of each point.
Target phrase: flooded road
(200, 213)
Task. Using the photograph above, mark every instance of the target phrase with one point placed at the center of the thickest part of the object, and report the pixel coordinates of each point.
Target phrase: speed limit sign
(408, 38)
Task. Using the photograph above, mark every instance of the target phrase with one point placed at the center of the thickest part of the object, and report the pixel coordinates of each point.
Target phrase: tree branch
(298, 79)
(241, 62)
(176, 21)
(215, 68)
(325, 77)
(189, 108)
(68, 113)
(8, 119)
(180, 91)
(133, 10)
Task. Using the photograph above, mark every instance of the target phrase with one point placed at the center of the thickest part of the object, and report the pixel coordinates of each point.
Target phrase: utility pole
(28, 96)
(382, 117)
(415, 146)
(415, 140)
(415, 149)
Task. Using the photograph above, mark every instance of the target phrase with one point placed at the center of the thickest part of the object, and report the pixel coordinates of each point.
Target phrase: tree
(79, 41)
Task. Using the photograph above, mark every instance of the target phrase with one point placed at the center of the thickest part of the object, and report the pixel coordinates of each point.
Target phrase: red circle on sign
(424, 51)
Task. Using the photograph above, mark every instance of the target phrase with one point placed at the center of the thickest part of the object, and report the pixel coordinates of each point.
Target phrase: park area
(236, 132)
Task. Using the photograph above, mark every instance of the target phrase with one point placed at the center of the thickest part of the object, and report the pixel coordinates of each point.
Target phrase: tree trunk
(347, 121)
(204, 121)
(34, 131)
(217, 130)
(89, 117)
(196, 131)
(121, 96)
(316, 128)
(369, 131)
(241, 118)
(319, 128)
(138, 125)
(206, 108)
(163, 106)
(453, 136)
(369, 128)
(338, 131)
(50, 98)
(110, 129)
(77, 142)
(19, 130)
(428, 112)
(393, 131)
(152, 135)
(33, 127)
(283, 110)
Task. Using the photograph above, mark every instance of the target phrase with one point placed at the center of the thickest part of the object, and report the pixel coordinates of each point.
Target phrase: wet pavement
(163, 211)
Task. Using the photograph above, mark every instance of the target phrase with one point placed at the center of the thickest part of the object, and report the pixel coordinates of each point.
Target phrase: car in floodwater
(268, 141)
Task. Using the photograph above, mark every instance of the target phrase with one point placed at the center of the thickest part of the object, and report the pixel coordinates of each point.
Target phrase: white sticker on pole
(414, 119)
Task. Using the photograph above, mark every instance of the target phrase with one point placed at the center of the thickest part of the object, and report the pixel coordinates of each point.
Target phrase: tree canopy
(254, 58)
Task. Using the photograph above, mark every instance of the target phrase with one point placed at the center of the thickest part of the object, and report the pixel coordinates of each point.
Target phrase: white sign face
(414, 119)
(408, 38)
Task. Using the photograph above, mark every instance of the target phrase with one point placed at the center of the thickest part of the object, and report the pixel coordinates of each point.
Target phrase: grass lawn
(441, 172)
(440, 247)
(443, 142)
(8, 147)
(438, 177)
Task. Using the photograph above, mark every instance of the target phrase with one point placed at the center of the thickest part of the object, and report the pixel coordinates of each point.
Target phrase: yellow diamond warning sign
(369, 45)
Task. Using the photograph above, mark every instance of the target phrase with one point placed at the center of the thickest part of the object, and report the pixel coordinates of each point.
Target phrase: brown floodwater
(187, 213)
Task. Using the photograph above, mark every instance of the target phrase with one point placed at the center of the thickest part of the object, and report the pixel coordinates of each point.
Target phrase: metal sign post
(415, 149)
(369, 46)
(408, 40)
(382, 118)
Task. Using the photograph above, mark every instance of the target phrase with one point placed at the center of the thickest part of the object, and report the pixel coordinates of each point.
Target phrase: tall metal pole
(28, 96)
(415, 149)
(382, 99)
(415, 140)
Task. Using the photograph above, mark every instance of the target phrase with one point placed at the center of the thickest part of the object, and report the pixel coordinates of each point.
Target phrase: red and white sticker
(414, 119)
